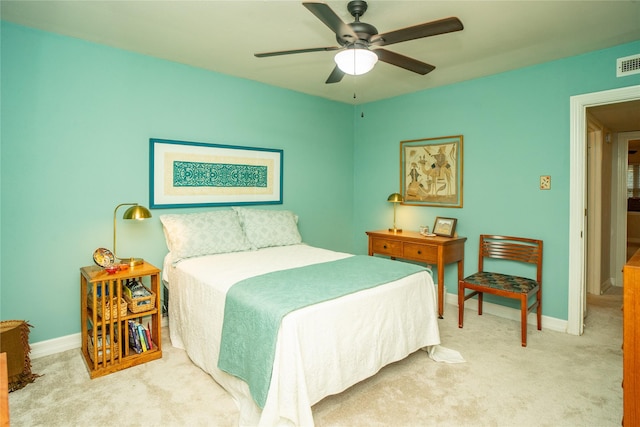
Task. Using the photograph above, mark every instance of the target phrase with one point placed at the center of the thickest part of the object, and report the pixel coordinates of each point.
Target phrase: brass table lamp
(138, 212)
(395, 198)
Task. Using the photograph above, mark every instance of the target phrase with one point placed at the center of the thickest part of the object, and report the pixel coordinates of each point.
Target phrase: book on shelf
(134, 337)
(149, 340)
(139, 337)
(143, 337)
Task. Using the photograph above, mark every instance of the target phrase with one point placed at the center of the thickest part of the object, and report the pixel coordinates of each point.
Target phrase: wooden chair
(506, 285)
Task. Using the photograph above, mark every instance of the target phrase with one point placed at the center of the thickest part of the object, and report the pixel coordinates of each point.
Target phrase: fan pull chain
(354, 79)
(354, 96)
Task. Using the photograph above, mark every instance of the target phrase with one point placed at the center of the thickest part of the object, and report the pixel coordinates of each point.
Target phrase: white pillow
(266, 228)
(198, 234)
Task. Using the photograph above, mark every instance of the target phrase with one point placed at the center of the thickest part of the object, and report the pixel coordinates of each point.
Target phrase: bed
(321, 349)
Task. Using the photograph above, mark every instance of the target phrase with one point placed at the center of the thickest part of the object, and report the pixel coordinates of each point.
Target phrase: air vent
(628, 65)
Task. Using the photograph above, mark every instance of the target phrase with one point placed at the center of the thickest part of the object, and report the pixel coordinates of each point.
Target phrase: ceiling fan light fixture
(356, 61)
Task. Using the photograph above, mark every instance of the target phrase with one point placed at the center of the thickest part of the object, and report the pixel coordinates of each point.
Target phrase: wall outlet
(545, 182)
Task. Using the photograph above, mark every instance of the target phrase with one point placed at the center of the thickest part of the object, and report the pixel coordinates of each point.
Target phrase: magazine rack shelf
(104, 320)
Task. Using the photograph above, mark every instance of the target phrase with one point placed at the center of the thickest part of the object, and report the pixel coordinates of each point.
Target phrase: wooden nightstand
(105, 321)
(411, 245)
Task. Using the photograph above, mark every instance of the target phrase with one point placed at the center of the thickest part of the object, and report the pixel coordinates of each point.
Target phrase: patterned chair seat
(502, 281)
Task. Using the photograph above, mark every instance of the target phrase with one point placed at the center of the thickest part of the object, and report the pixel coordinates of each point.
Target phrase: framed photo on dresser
(445, 227)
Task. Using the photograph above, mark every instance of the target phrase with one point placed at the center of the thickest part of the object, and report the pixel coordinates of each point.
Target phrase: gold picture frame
(445, 227)
(431, 171)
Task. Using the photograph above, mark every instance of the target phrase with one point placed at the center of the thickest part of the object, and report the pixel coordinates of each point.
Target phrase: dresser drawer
(387, 247)
(420, 252)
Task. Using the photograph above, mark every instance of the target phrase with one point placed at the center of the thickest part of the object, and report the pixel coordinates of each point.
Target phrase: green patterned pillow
(267, 228)
(207, 233)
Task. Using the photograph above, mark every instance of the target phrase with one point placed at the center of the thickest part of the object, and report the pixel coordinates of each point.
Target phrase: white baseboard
(55, 345)
(58, 345)
(551, 323)
(69, 342)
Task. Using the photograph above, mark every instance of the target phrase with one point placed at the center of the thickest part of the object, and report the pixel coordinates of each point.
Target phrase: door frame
(577, 188)
(594, 202)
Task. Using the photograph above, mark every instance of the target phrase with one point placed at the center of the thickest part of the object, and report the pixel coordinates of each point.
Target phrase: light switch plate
(545, 182)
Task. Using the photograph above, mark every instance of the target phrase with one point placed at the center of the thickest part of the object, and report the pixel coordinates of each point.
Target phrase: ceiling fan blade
(403, 61)
(333, 21)
(289, 52)
(336, 75)
(442, 26)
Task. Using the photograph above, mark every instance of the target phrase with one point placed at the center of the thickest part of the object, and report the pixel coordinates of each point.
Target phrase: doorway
(577, 195)
(629, 149)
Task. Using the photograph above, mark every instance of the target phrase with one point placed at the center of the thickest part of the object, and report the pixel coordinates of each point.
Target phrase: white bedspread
(321, 350)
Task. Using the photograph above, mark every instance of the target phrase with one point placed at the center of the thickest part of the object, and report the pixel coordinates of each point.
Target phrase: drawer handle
(385, 246)
(419, 252)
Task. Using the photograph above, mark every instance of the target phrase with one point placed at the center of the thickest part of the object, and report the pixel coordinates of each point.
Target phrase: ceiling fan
(356, 38)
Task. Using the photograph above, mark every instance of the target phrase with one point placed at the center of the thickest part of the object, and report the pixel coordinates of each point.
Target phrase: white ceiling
(223, 36)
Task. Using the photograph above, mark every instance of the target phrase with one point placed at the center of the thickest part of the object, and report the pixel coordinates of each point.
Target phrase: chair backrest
(511, 248)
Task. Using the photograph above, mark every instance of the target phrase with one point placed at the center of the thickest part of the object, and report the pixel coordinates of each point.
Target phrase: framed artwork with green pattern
(194, 174)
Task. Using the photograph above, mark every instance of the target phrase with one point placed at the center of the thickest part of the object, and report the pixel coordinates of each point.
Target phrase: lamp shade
(395, 198)
(356, 61)
(137, 212)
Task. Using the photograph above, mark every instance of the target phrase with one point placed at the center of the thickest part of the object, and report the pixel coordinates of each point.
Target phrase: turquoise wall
(77, 118)
(515, 127)
(76, 123)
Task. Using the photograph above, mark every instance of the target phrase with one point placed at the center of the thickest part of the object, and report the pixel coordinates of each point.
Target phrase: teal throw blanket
(254, 309)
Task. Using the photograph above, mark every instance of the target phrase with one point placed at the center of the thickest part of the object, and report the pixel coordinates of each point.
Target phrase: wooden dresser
(413, 246)
(4, 391)
(631, 342)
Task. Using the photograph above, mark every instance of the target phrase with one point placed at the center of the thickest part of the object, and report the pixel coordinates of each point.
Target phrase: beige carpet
(558, 380)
